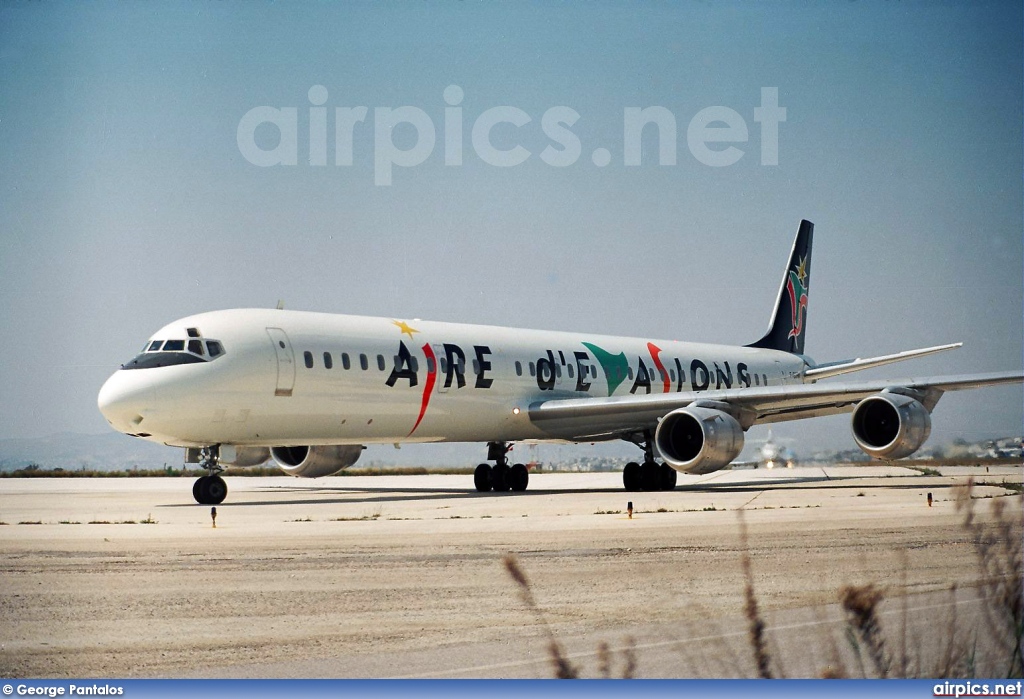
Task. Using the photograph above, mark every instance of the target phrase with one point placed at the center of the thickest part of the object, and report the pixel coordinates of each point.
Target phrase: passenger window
(757, 380)
(328, 361)
(214, 348)
(345, 363)
(195, 347)
(476, 367)
(444, 365)
(430, 365)
(519, 368)
(629, 373)
(568, 369)
(155, 346)
(363, 362)
(380, 362)
(533, 369)
(558, 371)
(308, 356)
(764, 379)
(415, 364)
(174, 346)
(672, 375)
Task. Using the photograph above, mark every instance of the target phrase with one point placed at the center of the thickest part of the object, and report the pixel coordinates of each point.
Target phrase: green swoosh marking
(614, 365)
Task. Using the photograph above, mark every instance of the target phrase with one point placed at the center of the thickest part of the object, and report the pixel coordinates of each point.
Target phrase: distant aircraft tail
(789, 320)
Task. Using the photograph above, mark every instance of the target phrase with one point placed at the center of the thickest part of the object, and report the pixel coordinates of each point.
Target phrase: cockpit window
(160, 353)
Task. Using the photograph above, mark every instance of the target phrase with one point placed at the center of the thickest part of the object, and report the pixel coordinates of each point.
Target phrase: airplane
(769, 455)
(311, 390)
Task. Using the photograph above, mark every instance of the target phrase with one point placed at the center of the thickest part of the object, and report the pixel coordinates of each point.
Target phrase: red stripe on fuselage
(428, 387)
(655, 351)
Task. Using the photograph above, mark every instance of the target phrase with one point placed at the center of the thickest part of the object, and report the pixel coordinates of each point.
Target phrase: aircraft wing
(583, 419)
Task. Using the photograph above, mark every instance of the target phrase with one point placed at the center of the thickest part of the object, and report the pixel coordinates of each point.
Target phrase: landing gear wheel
(216, 490)
(210, 490)
(499, 478)
(667, 476)
(650, 476)
(482, 478)
(518, 478)
(631, 476)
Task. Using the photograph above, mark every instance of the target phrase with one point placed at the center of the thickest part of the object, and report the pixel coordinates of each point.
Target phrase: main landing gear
(501, 477)
(650, 475)
(210, 489)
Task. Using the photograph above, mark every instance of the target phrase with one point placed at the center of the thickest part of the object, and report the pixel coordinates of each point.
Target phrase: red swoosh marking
(428, 386)
(655, 351)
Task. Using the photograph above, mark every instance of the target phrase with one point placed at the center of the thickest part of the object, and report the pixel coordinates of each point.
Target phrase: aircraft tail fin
(789, 320)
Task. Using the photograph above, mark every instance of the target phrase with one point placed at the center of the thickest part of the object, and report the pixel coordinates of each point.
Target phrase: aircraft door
(285, 362)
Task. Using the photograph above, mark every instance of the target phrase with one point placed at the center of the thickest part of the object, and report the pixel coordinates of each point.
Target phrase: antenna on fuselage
(280, 304)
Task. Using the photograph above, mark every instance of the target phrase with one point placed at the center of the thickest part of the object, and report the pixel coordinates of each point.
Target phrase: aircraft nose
(118, 400)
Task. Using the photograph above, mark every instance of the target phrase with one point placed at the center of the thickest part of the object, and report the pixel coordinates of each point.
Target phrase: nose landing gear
(210, 489)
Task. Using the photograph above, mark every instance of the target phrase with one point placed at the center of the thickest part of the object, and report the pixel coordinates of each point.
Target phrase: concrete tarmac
(403, 576)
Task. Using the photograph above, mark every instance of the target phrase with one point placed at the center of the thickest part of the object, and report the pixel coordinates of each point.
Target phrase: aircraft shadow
(343, 496)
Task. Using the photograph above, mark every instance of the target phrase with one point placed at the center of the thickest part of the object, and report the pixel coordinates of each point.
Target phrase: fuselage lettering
(697, 367)
(482, 380)
(403, 367)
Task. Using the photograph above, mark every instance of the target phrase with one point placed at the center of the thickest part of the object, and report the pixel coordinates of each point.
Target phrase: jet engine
(699, 440)
(243, 456)
(314, 462)
(890, 425)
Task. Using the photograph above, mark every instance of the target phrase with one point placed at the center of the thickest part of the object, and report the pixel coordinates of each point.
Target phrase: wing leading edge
(584, 419)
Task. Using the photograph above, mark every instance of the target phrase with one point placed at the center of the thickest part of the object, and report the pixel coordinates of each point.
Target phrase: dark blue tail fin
(789, 321)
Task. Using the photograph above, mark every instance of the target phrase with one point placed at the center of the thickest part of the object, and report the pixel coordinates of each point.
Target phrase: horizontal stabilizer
(845, 367)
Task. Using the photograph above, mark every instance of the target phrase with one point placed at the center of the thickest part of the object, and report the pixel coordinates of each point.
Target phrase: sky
(134, 188)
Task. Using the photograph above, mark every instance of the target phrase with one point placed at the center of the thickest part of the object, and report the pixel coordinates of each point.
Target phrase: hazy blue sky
(125, 201)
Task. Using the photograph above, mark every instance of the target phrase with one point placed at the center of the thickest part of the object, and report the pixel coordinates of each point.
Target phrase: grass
(1016, 488)
(371, 517)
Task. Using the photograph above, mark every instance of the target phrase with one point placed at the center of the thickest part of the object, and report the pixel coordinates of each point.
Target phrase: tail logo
(797, 288)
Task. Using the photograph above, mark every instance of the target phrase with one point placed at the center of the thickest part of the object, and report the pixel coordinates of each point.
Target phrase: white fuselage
(289, 378)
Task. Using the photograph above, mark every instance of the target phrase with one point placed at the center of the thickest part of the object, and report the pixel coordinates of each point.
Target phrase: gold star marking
(801, 271)
(404, 327)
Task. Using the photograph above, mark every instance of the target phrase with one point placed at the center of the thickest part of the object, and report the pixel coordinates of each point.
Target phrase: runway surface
(402, 576)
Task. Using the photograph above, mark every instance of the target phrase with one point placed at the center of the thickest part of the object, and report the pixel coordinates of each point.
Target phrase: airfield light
(515, 411)
(770, 464)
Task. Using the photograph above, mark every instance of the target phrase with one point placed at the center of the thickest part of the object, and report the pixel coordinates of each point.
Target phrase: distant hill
(100, 452)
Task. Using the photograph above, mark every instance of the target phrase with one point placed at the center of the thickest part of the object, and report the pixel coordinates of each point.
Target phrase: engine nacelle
(890, 425)
(243, 456)
(699, 440)
(314, 462)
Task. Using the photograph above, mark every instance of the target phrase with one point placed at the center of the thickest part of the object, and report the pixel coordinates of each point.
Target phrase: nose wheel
(210, 489)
